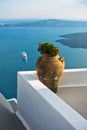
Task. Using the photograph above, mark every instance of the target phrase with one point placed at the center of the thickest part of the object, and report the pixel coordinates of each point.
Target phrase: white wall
(74, 78)
(41, 109)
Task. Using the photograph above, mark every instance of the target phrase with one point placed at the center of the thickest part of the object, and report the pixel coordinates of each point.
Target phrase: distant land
(74, 40)
(43, 23)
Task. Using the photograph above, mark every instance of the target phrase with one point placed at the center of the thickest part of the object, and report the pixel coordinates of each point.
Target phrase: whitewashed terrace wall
(40, 109)
(74, 78)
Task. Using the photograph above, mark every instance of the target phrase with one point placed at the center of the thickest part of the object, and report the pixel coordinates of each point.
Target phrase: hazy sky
(66, 9)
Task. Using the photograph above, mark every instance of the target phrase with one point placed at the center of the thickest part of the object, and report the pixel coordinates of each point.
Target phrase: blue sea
(15, 40)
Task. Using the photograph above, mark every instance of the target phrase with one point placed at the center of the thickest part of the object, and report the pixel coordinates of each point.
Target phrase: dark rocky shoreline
(74, 40)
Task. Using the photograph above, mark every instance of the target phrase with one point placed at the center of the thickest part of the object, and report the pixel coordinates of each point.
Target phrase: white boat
(24, 55)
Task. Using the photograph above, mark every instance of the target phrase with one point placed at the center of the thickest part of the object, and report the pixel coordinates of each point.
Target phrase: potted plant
(50, 65)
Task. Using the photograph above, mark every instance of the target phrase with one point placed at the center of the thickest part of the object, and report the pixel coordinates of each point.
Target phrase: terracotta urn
(50, 70)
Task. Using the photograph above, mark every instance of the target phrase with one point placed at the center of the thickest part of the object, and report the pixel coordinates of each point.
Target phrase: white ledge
(42, 109)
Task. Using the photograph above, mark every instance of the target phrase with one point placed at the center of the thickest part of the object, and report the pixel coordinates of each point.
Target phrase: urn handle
(61, 59)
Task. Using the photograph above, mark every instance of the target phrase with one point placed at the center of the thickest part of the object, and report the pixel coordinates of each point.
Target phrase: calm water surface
(15, 40)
